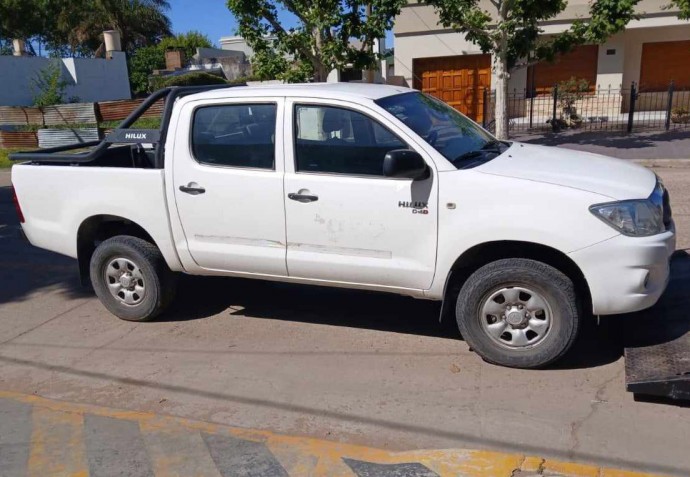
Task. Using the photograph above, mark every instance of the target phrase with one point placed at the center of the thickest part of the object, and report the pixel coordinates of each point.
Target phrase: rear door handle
(303, 196)
(192, 188)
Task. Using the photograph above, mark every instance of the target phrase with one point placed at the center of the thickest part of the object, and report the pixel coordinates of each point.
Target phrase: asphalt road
(357, 367)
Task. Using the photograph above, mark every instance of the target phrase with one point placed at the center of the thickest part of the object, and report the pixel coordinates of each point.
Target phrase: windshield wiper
(493, 146)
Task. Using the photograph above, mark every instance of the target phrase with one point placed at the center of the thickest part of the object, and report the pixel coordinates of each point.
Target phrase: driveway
(355, 367)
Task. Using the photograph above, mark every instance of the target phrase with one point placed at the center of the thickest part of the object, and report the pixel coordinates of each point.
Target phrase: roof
(315, 90)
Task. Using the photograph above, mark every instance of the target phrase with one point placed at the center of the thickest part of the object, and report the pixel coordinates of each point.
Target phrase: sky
(212, 18)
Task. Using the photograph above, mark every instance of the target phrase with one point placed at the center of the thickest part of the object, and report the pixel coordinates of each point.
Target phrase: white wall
(88, 79)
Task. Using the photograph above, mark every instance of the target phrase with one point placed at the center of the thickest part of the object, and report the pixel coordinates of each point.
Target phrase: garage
(662, 62)
(458, 80)
(580, 63)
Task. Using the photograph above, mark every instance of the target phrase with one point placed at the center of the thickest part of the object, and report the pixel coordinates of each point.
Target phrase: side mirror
(406, 164)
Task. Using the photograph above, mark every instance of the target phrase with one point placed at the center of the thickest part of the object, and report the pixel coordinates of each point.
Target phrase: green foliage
(49, 85)
(187, 42)
(5, 157)
(188, 79)
(683, 7)
(321, 39)
(141, 65)
(75, 27)
(570, 91)
(149, 58)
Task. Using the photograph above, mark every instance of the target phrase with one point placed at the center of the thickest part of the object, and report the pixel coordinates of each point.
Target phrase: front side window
(342, 141)
(235, 135)
(459, 139)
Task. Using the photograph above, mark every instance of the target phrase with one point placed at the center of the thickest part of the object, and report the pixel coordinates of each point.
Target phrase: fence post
(669, 107)
(631, 112)
(485, 106)
(554, 120)
(531, 108)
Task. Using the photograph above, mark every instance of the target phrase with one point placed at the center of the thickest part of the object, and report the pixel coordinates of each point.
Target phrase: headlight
(635, 218)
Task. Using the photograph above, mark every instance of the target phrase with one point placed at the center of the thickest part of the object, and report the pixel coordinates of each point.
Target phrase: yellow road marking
(57, 444)
(176, 448)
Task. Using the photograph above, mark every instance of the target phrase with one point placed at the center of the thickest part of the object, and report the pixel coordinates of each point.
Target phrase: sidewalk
(42, 437)
(649, 145)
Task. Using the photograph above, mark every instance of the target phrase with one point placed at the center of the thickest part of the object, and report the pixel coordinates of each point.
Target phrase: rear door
(228, 184)
(346, 222)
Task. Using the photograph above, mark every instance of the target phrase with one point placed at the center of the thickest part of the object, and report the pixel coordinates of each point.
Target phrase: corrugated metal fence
(60, 137)
(15, 120)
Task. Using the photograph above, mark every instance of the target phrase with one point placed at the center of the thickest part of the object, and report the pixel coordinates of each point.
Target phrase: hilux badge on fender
(417, 207)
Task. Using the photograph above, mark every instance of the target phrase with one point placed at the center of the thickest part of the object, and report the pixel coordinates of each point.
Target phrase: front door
(346, 222)
(229, 185)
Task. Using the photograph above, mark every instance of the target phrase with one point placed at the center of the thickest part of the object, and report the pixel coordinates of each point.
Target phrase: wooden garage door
(665, 61)
(458, 80)
(580, 63)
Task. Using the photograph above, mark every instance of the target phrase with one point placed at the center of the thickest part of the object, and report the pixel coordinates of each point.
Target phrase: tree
(141, 64)
(511, 33)
(75, 27)
(322, 39)
(49, 85)
(146, 59)
(187, 42)
(683, 7)
(139, 22)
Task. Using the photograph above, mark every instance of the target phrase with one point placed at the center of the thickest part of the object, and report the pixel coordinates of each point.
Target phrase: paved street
(353, 367)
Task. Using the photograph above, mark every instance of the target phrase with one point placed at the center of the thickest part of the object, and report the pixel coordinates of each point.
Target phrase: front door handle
(303, 196)
(192, 188)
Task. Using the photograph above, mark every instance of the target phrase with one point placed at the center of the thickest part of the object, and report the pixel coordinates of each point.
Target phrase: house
(651, 52)
(229, 64)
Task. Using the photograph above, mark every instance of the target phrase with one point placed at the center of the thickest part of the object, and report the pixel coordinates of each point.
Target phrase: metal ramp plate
(660, 370)
(657, 356)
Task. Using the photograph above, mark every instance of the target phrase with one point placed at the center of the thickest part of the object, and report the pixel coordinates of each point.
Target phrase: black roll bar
(170, 94)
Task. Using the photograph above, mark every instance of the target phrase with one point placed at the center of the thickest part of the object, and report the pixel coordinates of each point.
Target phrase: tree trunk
(501, 112)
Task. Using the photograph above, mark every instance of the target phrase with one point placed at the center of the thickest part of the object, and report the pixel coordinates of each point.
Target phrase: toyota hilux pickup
(359, 186)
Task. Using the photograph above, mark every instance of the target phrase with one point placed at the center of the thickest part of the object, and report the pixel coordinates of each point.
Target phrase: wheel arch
(479, 255)
(96, 229)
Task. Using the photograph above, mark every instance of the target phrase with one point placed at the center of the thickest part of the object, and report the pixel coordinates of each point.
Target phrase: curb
(55, 440)
(663, 163)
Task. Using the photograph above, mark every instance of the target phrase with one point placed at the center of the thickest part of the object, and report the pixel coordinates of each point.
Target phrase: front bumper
(627, 274)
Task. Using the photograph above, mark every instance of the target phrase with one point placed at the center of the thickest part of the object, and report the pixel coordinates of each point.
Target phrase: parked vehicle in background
(358, 186)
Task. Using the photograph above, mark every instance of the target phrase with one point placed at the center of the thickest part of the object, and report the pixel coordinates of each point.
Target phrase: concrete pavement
(354, 367)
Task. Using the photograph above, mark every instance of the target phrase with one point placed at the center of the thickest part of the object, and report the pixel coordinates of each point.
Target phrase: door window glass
(235, 135)
(338, 140)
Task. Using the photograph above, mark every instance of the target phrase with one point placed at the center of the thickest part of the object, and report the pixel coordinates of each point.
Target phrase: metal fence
(610, 109)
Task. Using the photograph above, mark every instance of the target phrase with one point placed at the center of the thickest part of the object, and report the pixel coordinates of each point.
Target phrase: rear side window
(235, 135)
(342, 141)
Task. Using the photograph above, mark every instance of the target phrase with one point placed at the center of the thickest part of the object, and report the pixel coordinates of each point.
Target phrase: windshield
(459, 139)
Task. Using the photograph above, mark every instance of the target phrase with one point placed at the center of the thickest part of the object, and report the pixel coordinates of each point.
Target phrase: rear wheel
(518, 313)
(131, 278)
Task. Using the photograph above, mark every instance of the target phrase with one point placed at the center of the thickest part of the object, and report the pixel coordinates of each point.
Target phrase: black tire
(555, 288)
(157, 281)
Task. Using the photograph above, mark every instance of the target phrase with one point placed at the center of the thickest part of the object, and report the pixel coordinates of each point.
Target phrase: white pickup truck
(359, 186)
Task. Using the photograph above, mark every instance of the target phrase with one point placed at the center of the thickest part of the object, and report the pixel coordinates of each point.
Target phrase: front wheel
(518, 313)
(131, 278)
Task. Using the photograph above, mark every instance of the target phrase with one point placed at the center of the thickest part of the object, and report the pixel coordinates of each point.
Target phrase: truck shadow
(25, 269)
(600, 344)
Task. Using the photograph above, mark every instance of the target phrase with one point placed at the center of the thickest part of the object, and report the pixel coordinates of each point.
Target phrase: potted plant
(568, 93)
(680, 115)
